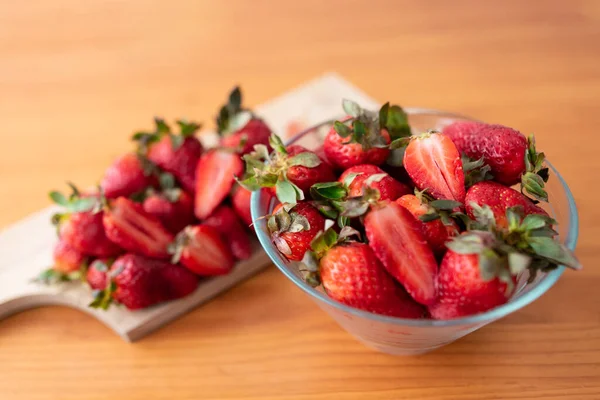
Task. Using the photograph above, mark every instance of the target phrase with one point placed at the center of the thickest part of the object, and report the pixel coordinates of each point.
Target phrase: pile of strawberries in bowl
(163, 216)
(391, 224)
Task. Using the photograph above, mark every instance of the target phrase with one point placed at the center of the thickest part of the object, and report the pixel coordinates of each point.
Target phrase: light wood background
(77, 77)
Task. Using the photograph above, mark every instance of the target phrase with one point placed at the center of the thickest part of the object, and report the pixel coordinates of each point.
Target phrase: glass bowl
(400, 336)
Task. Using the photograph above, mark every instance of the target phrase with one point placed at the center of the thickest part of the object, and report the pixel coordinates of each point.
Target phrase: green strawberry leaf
(342, 129)
(554, 251)
(59, 198)
(536, 221)
(82, 204)
(395, 122)
(187, 129)
(490, 264)
(329, 190)
(534, 184)
(430, 216)
(306, 159)
(235, 99)
(351, 108)
(447, 205)
(285, 191)
(277, 144)
(161, 126)
(167, 181)
(396, 157)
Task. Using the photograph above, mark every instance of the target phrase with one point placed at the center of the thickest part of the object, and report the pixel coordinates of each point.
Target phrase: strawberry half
(128, 225)
(225, 220)
(201, 249)
(498, 198)
(130, 174)
(239, 128)
(396, 238)
(215, 175)
(433, 163)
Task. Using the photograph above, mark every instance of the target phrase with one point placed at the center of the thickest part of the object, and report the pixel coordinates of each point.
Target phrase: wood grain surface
(76, 78)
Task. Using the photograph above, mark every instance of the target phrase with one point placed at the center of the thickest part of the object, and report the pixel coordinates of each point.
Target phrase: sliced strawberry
(214, 178)
(434, 164)
(201, 249)
(396, 237)
(128, 225)
(233, 233)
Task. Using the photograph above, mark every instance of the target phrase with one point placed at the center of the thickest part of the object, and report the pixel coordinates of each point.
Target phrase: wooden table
(76, 78)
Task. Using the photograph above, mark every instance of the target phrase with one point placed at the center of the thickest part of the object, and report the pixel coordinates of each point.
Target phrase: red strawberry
(240, 199)
(292, 229)
(128, 225)
(174, 209)
(288, 172)
(343, 155)
(396, 237)
(139, 282)
(239, 128)
(511, 157)
(66, 258)
(498, 198)
(128, 175)
(447, 311)
(352, 275)
(227, 223)
(215, 175)
(201, 249)
(436, 225)
(177, 154)
(96, 273)
(433, 163)
(376, 178)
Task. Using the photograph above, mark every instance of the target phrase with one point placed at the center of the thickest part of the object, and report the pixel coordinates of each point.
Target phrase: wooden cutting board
(26, 247)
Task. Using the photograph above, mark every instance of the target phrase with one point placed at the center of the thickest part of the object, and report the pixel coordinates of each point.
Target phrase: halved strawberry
(128, 225)
(434, 164)
(396, 237)
(215, 175)
(201, 249)
(233, 233)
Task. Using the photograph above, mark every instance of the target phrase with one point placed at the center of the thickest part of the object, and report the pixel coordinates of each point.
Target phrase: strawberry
(81, 225)
(512, 158)
(139, 282)
(201, 249)
(227, 223)
(434, 164)
(498, 198)
(293, 227)
(239, 128)
(130, 174)
(240, 200)
(375, 178)
(173, 208)
(215, 175)
(397, 240)
(480, 269)
(351, 273)
(96, 273)
(66, 258)
(128, 225)
(177, 154)
(434, 216)
(290, 171)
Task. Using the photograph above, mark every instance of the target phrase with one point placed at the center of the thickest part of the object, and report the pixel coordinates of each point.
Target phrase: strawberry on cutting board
(293, 227)
(225, 220)
(128, 175)
(498, 198)
(398, 241)
(176, 153)
(173, 207)
(511, 156)
(128, 225)
(215, 176)
(202, 250)
(434, 164)
(139, 282)
(290, 171)
(351, 273)
(239, 128)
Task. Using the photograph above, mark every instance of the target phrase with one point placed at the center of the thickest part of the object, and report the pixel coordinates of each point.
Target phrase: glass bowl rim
(496, 313)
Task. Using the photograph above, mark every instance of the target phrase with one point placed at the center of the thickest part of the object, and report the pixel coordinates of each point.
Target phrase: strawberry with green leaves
(138, 282)
(434, 164)
(511, 156)
(435, 216)
(129, 175)
(480, 269)
(351, 273)
(202, 250)
(80, 226)
(239, 128)
(498, 198)
(293, 227)
(364, 136)
(397, 239)
(68, 265)
(176, 153)
(289, 171)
